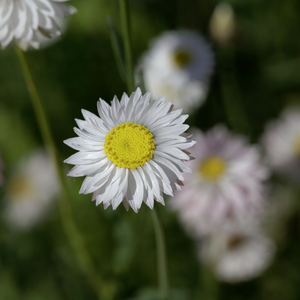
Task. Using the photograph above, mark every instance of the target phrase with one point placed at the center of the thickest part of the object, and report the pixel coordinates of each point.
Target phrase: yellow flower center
(297, 146)
(129, 145)
(19, 187)
(182, 58)
(212, 168)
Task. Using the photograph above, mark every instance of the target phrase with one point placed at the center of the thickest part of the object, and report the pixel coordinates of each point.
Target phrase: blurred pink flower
(226, 182)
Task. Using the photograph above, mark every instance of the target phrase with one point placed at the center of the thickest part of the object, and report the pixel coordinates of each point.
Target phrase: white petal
(139, 191)
(85, 157)
(79, 143)
(90, 169)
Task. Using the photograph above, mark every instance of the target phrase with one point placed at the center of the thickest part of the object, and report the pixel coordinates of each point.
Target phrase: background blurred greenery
(261, 69)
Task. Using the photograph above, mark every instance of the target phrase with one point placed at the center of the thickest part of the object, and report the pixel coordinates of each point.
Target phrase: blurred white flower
(31, 192)
(186, 94)
(134, 153)
(180, 64)
(23, 19)
(227, 182)
(180, 54)
(237, 252)
(281, 141)
(222, 23)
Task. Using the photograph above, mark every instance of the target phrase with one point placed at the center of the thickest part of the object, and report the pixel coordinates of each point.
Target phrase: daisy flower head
(182, 54)
(24, 20)
(227, 182)
(133, 153)
(281, 141)
(237, 252)
(180, 63)
(31, 192)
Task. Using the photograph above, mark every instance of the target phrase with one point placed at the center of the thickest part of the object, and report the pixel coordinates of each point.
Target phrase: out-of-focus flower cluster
(225, 200)
(222, 202)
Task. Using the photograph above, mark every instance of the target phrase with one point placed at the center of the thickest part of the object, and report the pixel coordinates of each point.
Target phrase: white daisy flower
(237, 252)
(22, 20)
(31, 192)
(178, 63)
(281, 141)
(227, 182)
(133, 153)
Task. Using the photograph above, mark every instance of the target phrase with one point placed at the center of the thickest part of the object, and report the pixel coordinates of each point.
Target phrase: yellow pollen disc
(129, 145)
(19, 187)
(182, 58)
(212, 168)
(297, 146)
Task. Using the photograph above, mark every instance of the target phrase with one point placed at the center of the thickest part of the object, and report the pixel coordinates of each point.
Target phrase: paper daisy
(30, 192)
(180, 63)
(281, 141)
(133, 153)
(23, 20)
(227, 182)
(237, 252)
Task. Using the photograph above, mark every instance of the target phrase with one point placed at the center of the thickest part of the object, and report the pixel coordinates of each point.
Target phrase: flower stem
(161, 255)
(210, 283)
(232, 99)
(124, 10)
(158, 229)
(67, 218)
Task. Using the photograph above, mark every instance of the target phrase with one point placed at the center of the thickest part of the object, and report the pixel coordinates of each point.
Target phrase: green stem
(127, 44)
(67, 218)
(208, 286)
(210, 283)
(231, 95)
(161, 256)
